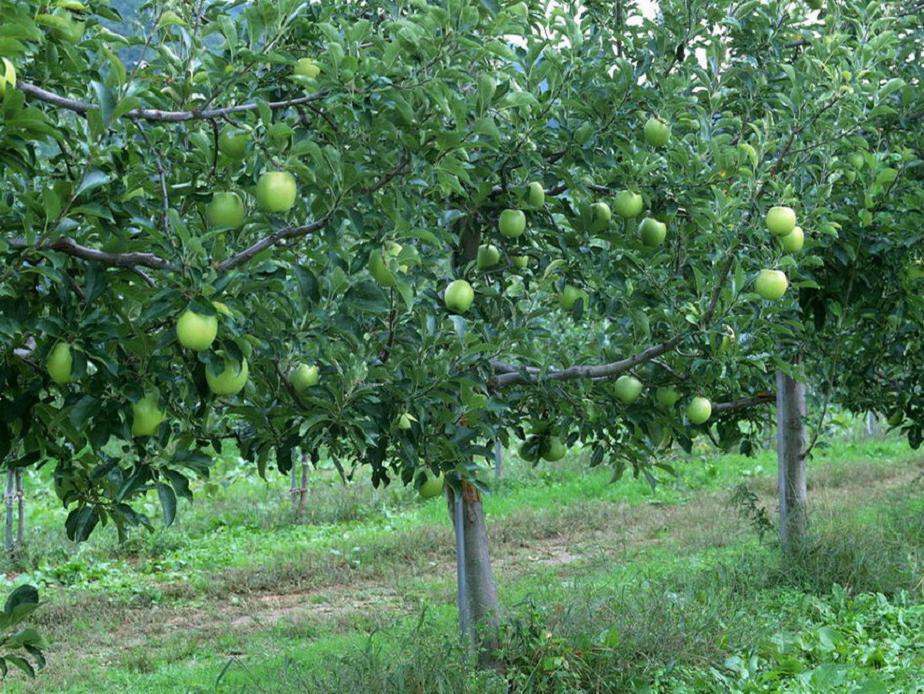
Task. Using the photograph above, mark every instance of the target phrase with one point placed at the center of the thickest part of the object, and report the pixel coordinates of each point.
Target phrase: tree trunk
(790, 421)
(498, 458)
(8, 499)
(293, 489)
(20, 511)
(303, 490)
(479, 601)
(871, 423)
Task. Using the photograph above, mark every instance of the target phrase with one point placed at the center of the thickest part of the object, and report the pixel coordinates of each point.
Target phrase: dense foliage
(408, 131)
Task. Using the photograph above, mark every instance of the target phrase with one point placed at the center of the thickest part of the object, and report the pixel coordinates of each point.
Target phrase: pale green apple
(60, 363)
(276, 191)
(459, 296)
(230, 381)
(146, 415)
(628, 204)
(781, 220)
(195, 331)
(512, 223)
(771, 284)
(657, 132)
(699, 410)
(627, 389)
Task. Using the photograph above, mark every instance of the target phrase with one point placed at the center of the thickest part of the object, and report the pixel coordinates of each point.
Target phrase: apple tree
(401, 231)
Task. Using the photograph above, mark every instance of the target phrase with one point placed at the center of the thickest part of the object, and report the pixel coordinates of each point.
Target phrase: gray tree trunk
(479, 600)
(498, 458)
(8, 499)
(303, 490)
(790, 425)
(293, 489)
(20, 510)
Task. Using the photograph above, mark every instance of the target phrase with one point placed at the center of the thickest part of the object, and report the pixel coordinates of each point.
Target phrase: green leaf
(94, 179)
(167, 502)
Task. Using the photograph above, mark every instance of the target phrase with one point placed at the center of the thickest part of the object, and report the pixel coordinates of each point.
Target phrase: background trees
(422, 125)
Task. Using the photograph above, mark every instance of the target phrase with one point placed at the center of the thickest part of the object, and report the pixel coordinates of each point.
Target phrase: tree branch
(598, 371)
(70, 247)
(159, 115)
(743, 403)
(272, 240)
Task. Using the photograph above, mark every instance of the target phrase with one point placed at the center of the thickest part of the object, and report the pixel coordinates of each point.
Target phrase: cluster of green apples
(781, 222)
(628, 388)
(543, 445)
(196, 332)
(459, 295)
(275, 191)
(628, 204)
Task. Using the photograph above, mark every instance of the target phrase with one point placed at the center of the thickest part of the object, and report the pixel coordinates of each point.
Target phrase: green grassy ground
(609, 587)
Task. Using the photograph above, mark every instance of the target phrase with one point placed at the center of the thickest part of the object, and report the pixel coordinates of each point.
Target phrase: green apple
(553, 449)
(378, 268)
(512, 223)
(488, 256)
(195, 331)
(276, 191)
(230, 381)
(569, 296)
(856, 160)
(627, 389)
(666, 396)
(60, 363)
(896, 418)
(699, 410)
(8, 77)
(146, 415)
(600, 216)
(431, 486)
(657, 132)
(306, 67)
(628, 204)
(520, 261)
(225, 210)
(304, 377)
(771, 284)
(749, 152)
(233, 143)
(535, 194)
(793, 241)
(458, 296)
(652, 232)
(781, 220)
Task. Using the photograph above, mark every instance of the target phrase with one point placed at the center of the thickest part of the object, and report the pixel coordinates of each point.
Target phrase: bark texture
(480, 596)
(790, 420)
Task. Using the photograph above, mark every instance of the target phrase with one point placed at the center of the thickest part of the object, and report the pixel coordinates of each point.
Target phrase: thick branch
(157, 114)
(744, 403)
(128, 260)
(589, 371)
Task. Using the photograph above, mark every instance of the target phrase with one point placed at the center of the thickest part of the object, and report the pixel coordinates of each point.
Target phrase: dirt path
(572, 540)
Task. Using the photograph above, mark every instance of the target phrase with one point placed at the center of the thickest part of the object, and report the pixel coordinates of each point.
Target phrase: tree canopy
(408, 128)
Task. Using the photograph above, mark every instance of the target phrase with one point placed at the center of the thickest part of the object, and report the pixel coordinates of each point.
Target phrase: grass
(607, 585)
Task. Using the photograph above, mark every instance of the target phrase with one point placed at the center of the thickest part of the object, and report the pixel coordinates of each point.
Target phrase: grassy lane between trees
(609, 587)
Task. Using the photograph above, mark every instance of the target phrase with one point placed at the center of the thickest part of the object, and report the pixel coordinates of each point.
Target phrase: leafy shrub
(17, 644)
